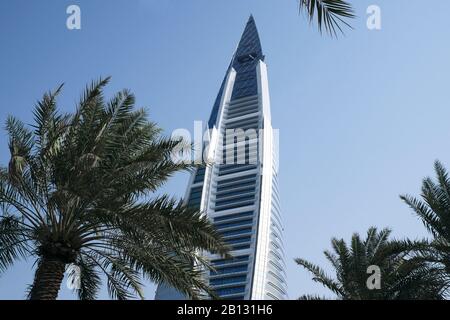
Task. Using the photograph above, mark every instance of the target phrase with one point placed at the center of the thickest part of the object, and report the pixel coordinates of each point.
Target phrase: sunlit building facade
(239, 190)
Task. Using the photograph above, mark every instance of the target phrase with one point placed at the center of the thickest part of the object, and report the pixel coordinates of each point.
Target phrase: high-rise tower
(239, 193)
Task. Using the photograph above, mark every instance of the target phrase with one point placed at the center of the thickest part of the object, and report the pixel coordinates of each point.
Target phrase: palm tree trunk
(47, 280)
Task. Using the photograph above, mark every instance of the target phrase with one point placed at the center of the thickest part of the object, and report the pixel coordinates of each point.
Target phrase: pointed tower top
(249, 47)
(245, 58)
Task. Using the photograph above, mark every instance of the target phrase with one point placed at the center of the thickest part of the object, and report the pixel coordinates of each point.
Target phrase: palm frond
(331, 15)
(320, 276)
(90, 281)
(428, 216)
(46, 117)
(13, 241)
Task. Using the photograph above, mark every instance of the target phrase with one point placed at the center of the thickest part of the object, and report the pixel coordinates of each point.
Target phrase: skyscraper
(239, 190)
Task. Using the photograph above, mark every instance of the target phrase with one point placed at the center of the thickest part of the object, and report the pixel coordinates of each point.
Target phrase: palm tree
(400, 278)
(79, 191)
(331, 15)
(434, 211)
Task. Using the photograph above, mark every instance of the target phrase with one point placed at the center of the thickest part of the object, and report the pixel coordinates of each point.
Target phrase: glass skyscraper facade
(239, 190)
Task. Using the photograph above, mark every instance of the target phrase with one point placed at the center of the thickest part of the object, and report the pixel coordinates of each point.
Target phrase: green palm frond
(331, 15)
(443, 178)
(90, 281)
(47, 120)
(20, 146)
(320, 276)
(13, 241)
(433, 209)
(376, 241)
(429, 218)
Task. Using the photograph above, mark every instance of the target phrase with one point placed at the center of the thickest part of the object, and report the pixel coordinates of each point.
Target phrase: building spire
(246, 56)
(249, 46)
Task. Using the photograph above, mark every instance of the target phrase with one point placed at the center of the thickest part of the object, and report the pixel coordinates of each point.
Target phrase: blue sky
(361, 118)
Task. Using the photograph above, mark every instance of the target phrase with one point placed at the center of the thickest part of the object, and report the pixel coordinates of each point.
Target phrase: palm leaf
(320, 276)
(331, 15)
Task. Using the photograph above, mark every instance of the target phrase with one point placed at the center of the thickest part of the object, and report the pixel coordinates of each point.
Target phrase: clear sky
(361, 118)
